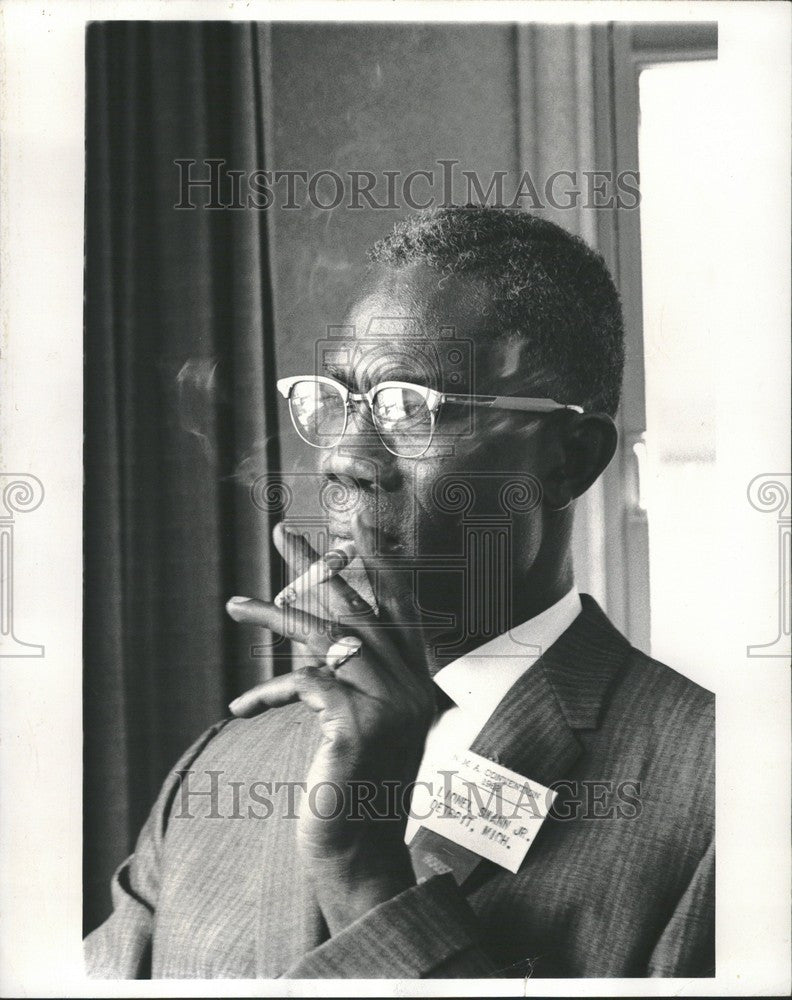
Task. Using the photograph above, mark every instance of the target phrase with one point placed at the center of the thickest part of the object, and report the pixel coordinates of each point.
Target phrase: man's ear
(586, 443)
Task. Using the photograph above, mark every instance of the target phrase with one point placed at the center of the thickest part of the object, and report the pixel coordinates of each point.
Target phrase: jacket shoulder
(662, 685)
(667, 720)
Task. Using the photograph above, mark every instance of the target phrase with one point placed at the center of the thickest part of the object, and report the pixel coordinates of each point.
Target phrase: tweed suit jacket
(621, 883)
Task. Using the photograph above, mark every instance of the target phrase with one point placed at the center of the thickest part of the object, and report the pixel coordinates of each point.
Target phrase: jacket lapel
(533, 729)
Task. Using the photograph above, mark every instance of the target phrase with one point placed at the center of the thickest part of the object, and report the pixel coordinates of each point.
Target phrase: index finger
(335, 596)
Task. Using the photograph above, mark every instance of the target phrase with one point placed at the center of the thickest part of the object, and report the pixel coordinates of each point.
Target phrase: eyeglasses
(403, 414)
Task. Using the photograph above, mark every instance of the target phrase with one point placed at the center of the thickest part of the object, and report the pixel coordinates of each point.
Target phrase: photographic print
(426, 498)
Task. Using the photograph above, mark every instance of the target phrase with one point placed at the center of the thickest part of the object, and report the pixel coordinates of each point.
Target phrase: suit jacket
(621, 883)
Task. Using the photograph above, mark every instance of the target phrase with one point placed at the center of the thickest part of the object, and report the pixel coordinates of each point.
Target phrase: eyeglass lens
(401, 416)
(403, 420)
(318, 412)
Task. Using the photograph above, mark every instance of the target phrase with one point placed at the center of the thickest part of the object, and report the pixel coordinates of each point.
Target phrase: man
(230, 880)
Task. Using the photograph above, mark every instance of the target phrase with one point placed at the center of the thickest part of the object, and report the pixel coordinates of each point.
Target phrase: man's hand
(374, 712)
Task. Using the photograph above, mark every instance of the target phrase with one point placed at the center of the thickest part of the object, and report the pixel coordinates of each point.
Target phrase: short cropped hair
(550, 290)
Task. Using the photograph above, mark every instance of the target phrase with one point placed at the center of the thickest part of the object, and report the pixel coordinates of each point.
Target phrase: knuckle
(303, 676)
(343, 741)
(318, 646)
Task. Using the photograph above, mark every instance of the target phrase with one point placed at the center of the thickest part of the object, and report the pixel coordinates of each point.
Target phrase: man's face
(479, 474)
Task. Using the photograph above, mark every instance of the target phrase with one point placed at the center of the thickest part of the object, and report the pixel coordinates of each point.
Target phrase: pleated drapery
(180, 411)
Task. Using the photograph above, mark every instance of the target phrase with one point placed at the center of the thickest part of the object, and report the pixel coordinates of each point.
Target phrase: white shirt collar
(478, 681)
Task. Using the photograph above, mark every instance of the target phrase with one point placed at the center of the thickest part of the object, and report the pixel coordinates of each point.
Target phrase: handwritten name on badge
(489, 809)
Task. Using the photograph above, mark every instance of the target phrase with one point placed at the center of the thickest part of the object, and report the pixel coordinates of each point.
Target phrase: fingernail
(238, 600)
(234, 705)
(285, 598)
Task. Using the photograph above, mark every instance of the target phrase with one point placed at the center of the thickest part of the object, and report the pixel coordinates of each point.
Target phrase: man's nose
(360, 455)
(360, 421)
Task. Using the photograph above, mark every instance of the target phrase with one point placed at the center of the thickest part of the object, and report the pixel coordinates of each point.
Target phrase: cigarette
(331, 563)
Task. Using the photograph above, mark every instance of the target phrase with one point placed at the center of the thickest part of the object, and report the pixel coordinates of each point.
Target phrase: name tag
(488, 809)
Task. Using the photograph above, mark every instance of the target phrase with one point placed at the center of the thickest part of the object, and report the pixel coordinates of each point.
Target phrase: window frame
(620, 52)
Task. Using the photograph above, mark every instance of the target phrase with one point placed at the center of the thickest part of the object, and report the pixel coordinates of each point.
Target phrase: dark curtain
(179, 412)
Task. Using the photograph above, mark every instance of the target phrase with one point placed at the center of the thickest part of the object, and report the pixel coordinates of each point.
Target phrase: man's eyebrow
(342, 375)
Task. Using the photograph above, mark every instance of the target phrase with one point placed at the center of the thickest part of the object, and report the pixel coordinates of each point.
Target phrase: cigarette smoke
(198, 397)
(205, 409)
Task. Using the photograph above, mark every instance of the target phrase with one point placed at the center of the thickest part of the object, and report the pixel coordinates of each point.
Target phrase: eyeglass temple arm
(527, 403)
